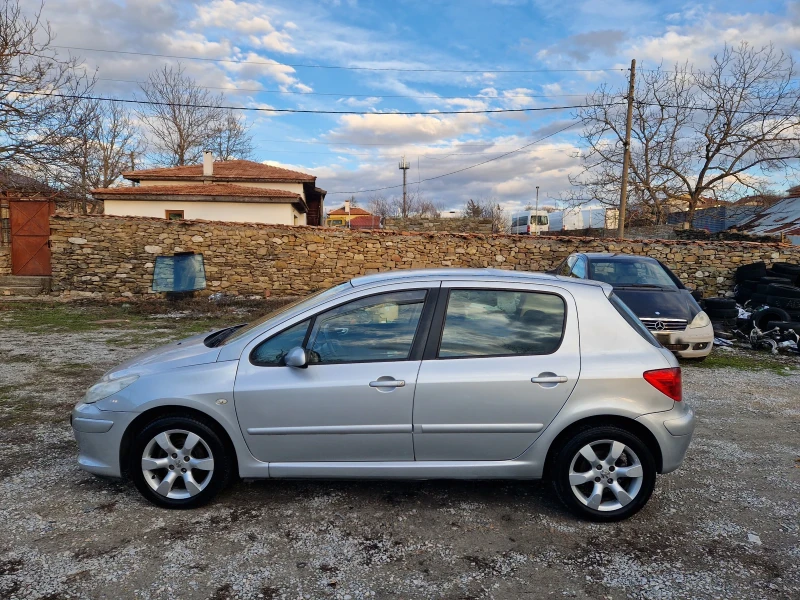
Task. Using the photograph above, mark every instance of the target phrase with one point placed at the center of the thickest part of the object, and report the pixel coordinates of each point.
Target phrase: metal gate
(30, 236)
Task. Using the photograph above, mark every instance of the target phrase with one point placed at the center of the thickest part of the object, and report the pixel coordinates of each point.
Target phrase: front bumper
(689, 343)
(99, 436)
(673, 431)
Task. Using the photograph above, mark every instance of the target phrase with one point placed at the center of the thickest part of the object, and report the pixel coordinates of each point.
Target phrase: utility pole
(404, 166)
(536, 216)
(626, 157)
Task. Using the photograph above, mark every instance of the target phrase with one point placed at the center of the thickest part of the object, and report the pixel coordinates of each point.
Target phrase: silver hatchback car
(457, 373)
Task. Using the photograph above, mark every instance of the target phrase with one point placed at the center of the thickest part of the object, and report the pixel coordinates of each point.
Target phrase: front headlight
(104, 389)
(701, 320)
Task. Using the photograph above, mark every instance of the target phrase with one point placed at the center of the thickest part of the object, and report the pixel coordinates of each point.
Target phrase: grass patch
(749, 361)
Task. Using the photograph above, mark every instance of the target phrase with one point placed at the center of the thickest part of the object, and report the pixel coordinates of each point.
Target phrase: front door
(504, 363)
(30, 237)
(353, 401)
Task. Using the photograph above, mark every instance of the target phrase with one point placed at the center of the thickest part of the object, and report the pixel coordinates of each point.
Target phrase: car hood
(183, 353)
(669, 304)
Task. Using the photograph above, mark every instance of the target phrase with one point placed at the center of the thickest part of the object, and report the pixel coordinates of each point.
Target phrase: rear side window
(501, 323)
(632, 319)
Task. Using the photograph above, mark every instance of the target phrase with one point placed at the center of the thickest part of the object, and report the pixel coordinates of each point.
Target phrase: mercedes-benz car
(654, 293)
(458, 373)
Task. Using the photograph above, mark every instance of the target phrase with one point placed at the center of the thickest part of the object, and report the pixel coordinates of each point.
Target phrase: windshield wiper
(641, 285)
(215, 339)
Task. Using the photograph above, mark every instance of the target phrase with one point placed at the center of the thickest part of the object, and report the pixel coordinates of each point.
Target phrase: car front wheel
(604, 473)
(179, 462)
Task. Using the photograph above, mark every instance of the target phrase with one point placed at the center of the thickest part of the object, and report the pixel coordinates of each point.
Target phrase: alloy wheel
(606, 475)
(177, 464)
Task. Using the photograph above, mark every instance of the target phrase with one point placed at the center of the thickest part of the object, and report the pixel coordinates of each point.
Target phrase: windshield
(301, 304)
(630, 273)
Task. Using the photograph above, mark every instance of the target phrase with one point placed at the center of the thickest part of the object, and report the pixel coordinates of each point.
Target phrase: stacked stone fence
(431, 224)
(5, 261)
(114, 256)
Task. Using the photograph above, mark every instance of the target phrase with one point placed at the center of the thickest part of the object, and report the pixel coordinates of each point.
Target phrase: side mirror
(296, 357)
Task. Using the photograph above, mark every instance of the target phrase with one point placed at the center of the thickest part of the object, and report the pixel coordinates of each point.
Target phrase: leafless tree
(695, 133)
(184, 119)
(231, 138)
(107, 143)
(40, 94)
(488, 208)
(381, 206)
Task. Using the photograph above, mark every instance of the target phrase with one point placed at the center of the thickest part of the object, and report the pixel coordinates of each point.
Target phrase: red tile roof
(211, 189)
(224, 170)
(353, 211)
(365, 222)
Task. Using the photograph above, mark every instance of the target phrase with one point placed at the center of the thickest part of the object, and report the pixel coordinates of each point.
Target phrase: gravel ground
(723, 526)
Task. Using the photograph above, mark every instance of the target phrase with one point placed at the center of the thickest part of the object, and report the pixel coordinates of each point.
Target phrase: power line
(381, 96)
(541, 139)
(306, 66)
(310, 111)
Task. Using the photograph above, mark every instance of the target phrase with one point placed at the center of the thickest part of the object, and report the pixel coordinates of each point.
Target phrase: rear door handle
(549, 379)
(388, 383)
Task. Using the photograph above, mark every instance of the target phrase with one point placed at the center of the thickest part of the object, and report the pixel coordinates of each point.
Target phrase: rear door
(500, 362)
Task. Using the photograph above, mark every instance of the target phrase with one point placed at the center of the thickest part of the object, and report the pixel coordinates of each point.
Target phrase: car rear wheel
(604, 473)
(179, 462)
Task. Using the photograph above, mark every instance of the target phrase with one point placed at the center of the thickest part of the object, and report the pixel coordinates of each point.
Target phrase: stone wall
(5, 261)
(429, 224)
(112, 256)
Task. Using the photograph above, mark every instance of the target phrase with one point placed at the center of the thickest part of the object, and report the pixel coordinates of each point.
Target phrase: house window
(174, 215)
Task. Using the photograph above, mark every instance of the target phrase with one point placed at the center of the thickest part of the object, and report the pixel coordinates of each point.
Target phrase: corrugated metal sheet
(782, 218)
(716, 219)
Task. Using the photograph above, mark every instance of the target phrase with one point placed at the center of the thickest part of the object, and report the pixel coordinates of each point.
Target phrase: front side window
(501, 323)
(579, 270)
(271, 352)
(376, 328)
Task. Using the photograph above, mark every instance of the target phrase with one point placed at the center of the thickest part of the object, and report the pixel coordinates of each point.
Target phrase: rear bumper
(99, 436)
(673, 431)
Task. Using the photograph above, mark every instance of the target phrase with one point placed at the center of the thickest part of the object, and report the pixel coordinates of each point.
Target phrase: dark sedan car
(654, 293)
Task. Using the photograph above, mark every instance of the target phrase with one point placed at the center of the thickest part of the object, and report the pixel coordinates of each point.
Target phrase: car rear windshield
(632, 319)
(630, 272)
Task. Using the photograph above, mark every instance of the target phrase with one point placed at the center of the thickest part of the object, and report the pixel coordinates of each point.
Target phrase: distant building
(357, 218)
(241, 191)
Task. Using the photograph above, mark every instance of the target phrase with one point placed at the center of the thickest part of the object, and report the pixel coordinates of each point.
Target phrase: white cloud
(399, 129)
(360, 102)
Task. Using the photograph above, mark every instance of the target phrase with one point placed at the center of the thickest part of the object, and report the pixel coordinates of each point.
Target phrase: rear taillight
(529, 228)
(666, 381)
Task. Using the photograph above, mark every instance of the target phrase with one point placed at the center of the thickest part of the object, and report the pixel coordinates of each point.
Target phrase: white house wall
(237, 212)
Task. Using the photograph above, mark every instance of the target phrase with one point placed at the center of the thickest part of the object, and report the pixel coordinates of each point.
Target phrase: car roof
(477, 274)
(617, 257)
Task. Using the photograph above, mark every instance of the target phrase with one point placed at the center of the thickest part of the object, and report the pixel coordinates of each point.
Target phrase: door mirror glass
(296, 357)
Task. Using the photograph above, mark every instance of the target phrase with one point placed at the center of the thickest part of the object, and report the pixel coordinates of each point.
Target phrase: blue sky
(358, 152)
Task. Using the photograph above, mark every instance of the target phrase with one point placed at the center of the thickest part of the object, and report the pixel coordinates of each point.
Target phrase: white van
(530, 222)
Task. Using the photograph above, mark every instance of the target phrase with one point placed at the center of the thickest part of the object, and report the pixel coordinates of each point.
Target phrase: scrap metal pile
(765, 309)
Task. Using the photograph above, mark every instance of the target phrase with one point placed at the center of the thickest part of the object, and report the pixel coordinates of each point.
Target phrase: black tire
(784, 291)
(563, 457)
(722, 314)
(764, 315)
(784, 325)
(220, 476)
(719, 303)
(751, 271)
(787, 269)
(758, 299)
(771, 280)
(748, 286)
(784, 302)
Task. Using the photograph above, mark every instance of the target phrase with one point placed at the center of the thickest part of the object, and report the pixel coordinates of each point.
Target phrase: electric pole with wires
(626, 157)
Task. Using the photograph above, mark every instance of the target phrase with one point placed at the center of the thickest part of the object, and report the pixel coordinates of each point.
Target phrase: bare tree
(184, 119)
(380, 206)
(106, 144)
(232, 137)
(40, 94)
(695, 133)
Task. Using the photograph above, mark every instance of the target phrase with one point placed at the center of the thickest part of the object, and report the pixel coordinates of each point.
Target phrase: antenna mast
(404, 166)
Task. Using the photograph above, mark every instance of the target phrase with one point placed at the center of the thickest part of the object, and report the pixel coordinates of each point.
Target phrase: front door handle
(387, 383)
(549, 379)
